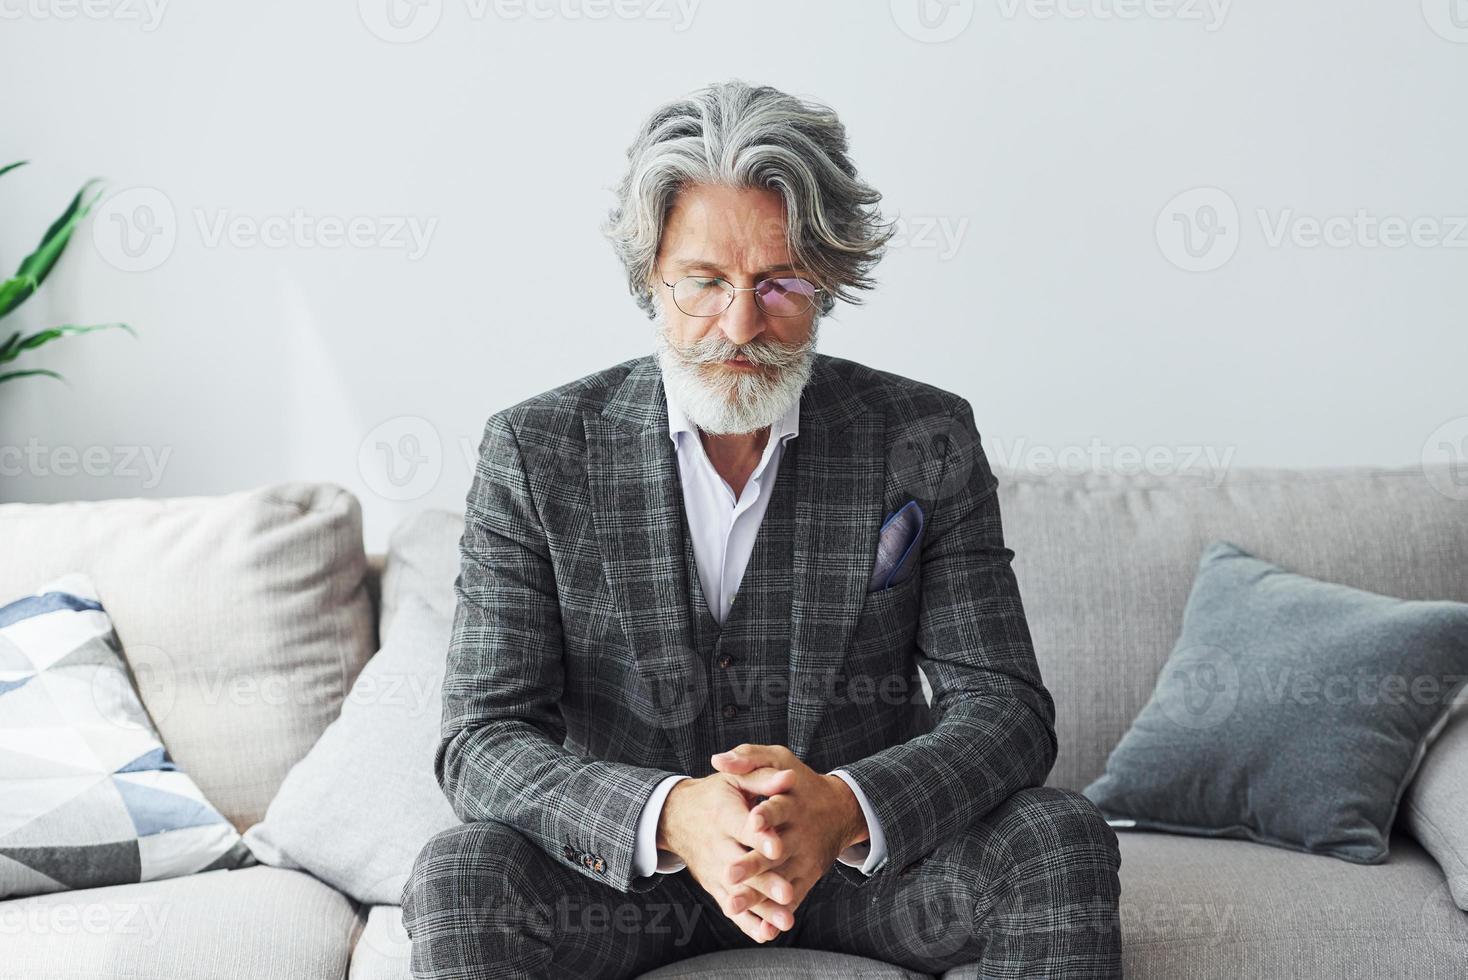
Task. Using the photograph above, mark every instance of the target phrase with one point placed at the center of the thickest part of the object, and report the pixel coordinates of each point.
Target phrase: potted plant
(28, 278)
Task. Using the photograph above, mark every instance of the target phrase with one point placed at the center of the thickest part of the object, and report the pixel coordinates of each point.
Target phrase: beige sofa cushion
(244, 618)
(251, 924)
(422, 560)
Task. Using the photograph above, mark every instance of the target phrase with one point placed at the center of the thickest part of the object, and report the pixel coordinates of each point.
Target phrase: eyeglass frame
(736, 290)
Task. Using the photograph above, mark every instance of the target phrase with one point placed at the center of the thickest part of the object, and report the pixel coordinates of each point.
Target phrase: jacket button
(730, 710)
(725, 660)
(569, 853)
(599, 866)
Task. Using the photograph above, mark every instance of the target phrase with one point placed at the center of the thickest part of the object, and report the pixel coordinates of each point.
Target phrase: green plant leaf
(34, 372)
(38, 265)
(11, 166)
(55, 333)
(17, 344)
(14, 292)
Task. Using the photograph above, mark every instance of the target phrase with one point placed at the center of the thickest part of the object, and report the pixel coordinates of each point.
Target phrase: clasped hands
(759, 832)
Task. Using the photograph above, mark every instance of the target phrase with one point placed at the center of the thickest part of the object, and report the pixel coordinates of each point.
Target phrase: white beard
(724, 401)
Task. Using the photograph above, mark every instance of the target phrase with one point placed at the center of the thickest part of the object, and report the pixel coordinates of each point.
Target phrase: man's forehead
(713, 251)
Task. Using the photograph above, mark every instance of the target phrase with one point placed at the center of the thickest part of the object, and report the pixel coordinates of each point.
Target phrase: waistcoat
(747, 658)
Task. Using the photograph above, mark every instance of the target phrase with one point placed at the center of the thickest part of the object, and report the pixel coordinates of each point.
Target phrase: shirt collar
(785, 429)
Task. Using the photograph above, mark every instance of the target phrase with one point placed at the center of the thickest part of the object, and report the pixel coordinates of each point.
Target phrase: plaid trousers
(1029, 890)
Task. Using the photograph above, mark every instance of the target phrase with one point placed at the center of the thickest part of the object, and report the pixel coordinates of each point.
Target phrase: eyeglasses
(710, 296)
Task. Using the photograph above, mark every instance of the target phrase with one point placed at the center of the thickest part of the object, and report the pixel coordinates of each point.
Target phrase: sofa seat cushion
(261, 923)
(382, 950)
(382, 954)
(779, 963)
(1191, 909)
(1208, 909)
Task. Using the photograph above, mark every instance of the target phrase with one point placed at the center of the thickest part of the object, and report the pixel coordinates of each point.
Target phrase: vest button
(730, 710)
(725, 660)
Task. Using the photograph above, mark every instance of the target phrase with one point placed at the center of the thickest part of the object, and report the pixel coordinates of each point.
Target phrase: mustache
(766, 353)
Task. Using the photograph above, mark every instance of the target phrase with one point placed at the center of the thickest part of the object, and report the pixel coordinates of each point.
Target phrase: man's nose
(743, 320)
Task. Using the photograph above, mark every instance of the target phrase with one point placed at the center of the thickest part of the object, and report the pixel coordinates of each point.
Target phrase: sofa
(1104, 562)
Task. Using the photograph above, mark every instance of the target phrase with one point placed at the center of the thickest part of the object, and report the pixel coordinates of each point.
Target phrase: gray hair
(739, 135)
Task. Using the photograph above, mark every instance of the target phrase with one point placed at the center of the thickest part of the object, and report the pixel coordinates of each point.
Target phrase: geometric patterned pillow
(88, 793)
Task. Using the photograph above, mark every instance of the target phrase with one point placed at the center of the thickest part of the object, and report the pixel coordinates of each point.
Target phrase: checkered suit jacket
(573, 680)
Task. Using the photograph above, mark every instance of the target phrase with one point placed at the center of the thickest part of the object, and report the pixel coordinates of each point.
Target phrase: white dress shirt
(723, 530)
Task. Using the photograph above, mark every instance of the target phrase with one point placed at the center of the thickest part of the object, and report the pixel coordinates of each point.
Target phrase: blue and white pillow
(88, 793)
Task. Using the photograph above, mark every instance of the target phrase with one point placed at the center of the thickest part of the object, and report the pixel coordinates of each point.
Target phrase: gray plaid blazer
(573, 679)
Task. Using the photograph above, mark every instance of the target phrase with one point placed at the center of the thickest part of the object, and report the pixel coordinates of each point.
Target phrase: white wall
(1048, 137)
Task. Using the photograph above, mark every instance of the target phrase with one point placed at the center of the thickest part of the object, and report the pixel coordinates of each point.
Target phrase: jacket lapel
(636, 497)
(636, 501)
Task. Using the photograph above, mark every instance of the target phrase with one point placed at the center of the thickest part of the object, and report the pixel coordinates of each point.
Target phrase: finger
(743, 758)
(766, 844)
(749, 864)
(774, 812)
(777, 915)
(769, 885)
(764, 781)
(756, 928)
(753, 925)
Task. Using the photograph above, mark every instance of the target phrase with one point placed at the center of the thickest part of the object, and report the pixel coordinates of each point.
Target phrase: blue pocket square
(897, 547)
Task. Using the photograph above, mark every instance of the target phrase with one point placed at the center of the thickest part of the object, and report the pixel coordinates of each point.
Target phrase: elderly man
(739, 656)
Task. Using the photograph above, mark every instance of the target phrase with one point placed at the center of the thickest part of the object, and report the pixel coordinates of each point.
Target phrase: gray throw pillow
(358, 808)
(1291, 712)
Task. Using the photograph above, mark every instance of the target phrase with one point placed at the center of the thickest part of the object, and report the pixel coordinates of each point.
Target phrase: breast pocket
(889, 611)
(879, 659)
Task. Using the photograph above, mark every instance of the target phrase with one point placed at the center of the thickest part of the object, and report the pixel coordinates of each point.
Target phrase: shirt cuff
(646, 857)
(867, 856)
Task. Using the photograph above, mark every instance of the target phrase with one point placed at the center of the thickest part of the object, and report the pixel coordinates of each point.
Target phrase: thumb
(747, 760)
